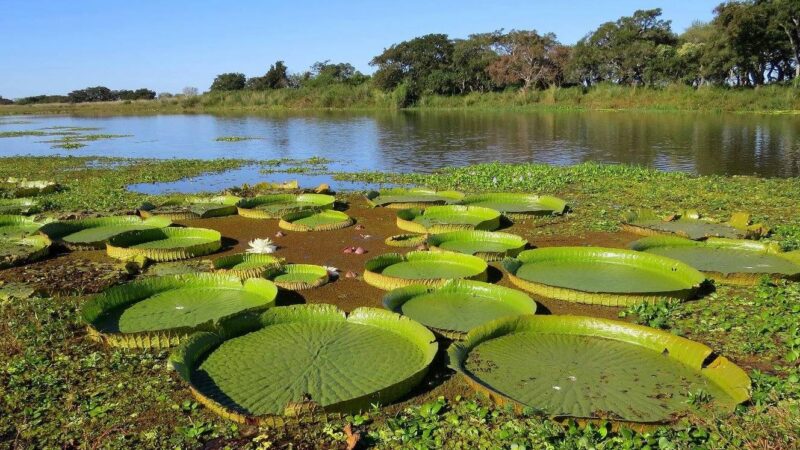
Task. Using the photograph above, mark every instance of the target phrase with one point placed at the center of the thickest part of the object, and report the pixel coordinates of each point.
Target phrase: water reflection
(703, 143)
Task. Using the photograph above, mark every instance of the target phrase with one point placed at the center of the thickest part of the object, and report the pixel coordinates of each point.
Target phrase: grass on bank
(765, 99)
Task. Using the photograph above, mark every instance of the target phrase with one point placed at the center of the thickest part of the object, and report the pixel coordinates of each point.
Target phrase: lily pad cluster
(19, 242)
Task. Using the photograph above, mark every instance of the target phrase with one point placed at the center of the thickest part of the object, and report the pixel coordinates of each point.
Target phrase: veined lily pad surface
(295, 360)
(298, 277)
(313, 220)
(458, 305)
(164, 244)
(276, 205)
(690, 225)
(605, 276)
(394, 270)
(487, 245)
(732, 261)
(247, 265)
(518, 205)
(159, 312)
(400, 198)
(17, 226)
(437, 219)
(21, 249)
(19, 206)
(95, 232)
(195, 208)
(585, 367)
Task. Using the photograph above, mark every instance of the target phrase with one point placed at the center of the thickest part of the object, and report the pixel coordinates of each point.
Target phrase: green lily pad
(17, 226)
(19, 250)
(87, 234)
(297, 360)
(194, 208)
(247, 265)
(591, 368)
(518, 205)
(394, 270)
(605, 276)
(400, 198)
(487, 245)
(690, 225)
(726, 260)
(405, 240)
(159, 312)
(276, 205)
(164, 244)
(24, 206)
(458, 305)
(439, 219)
(16, 188)
(312, 220)
(298, 277)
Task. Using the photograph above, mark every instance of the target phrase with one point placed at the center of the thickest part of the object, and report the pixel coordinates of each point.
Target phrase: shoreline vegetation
(771, 99)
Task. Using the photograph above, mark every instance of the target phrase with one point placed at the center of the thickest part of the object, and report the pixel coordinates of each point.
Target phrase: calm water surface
(702, 143)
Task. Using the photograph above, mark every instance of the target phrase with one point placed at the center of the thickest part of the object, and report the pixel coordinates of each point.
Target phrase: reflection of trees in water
(705, 143)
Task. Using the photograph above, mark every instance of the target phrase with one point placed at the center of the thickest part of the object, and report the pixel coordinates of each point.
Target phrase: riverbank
(768, 100)
(62, 389)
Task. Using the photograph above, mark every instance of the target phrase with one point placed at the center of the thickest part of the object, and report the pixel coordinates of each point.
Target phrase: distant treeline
(90, 94)
(748, 43)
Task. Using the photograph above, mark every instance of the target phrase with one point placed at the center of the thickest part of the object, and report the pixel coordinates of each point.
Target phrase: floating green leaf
(405, 240)
(164, 244)
(160, 312)
(394, 270)
(17, 226)
(88, 234)
(20, 250)
(16, 188)
(194, 208)
(400, 198)
(733, 261)
(274, 206)
(247, 265)
(24, 206)
(299, 360)
(487, 245)
(690, 225)
(457, 306)
(297, 277)
(585, 367)
(605, 276)
(439, 219)
(314, 220)
(518, 205)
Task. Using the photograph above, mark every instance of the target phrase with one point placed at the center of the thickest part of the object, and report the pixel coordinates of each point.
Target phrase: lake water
(702, 143)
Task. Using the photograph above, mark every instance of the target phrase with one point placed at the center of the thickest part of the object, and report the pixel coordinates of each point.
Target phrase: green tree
(276, 78)
(471, 57)
(92, 94)
(422, 64)
(632, 50)
(228, 82)
(6, 101)
(786, 14)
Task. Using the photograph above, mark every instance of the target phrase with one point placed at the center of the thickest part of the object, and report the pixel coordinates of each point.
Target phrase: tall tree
(422, 63)
(529, 59)
(231, 81)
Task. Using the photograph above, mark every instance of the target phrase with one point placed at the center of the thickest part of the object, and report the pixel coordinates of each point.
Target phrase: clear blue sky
(54, 46)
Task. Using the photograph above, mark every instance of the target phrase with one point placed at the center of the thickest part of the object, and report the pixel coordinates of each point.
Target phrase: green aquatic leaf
(585, 367)
(306, 355)
(298, 276)
(12, 226)
(194, 208)
(437, 219)
(400, 198)
(274, 206)
(394, 270)
(518, 205)
(487, 245)
(313, 220)
(164, 244)
(458, 305)
(605, 276)
(93, 233)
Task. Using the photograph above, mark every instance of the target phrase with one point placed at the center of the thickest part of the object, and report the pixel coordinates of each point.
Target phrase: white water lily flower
(262, 246)
(332, 271)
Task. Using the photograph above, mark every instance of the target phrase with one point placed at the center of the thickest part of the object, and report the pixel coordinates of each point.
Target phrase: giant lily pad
(518, 205)
(439, 219)
(295, 361)
(732, 261)
(406, 240)
(591, 368)
(16, 188)
(458, 305)
(247, 265)
(297, 277)
(400, 198)
(19, 206)
(22, 249)
(276, 205)
(603, 276)
(164, 244)
(17, 226)
(690, 225)
(160, 312)
(87, 234)
(487, 245)
(313, 220)
(393, 270)
(194, 208)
